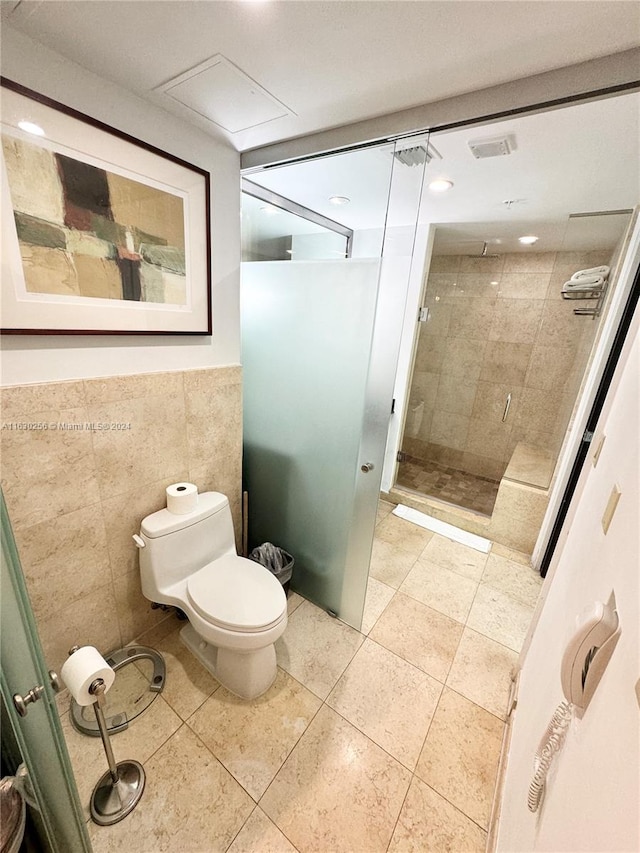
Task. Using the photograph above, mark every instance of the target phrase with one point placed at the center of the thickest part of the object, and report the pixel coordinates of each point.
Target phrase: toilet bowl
(236, 608)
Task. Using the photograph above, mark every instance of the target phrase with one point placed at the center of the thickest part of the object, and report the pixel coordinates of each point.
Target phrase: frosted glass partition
(307, 333)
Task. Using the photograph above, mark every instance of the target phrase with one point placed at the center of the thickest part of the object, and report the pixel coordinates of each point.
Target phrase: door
(591, 800)
(320, 346)
(38, 735)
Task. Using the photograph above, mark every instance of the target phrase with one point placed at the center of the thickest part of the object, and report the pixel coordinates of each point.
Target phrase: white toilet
(236, 608)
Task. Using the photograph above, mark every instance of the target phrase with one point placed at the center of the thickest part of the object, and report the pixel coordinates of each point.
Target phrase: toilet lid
(237, 594)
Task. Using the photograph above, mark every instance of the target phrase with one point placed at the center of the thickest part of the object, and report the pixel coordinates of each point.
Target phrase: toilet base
(246, 674)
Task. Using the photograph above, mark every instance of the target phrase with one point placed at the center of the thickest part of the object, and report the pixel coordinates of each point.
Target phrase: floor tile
(316, 648)
(454, 556)
(460, 755)
(377, 598)
(403, 534)
(442, 589)
(337, 791)
(260, 835)
(252, 739)
(423, 636)
(394, 708)
(190, 803)
(429, 824)
(188, 683)
(389, 563)
(481, 671)
(521, 582)
(293, 602)
(383, 510)
(500, 617)
(143, 737)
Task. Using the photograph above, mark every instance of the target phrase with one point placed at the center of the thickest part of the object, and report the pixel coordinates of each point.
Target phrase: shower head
(484, 253)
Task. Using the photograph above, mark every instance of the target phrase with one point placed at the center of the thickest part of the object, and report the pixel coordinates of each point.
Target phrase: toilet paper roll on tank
(81, 669)
(182, 498)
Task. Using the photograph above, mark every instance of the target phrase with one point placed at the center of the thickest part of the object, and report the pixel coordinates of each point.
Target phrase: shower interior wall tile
(524, 285)
(471, 317)
(76, 496)
(517, 515)
(456, 394)
(449, 429)
(516, 320)
(505, 362)
(444, 264)
(483, 466)
(536, 262)
(464, 357)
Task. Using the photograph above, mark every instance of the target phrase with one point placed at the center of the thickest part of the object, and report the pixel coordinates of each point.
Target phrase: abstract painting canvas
(95, 241)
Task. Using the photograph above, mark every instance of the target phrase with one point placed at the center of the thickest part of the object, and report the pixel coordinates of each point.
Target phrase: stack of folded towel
(589, 280)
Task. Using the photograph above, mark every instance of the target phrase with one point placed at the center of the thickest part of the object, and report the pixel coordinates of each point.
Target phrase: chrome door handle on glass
(506, 408)
(22, 702)
(368, 466)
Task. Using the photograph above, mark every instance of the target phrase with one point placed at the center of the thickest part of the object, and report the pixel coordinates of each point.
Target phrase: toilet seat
(237, 594)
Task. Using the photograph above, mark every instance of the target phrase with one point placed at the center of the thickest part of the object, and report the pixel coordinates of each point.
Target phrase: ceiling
(580, 159)
(270, 71)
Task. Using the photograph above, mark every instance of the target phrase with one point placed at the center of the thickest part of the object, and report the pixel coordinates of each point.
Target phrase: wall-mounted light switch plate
(598, 449)
(611, 507)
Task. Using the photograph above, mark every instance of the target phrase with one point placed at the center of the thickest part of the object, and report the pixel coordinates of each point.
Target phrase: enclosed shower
(501, 353)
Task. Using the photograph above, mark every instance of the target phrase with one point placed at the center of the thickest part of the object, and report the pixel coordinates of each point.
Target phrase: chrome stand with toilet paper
(118, 791)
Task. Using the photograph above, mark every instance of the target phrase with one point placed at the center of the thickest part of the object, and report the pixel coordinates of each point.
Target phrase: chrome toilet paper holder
(118, 791)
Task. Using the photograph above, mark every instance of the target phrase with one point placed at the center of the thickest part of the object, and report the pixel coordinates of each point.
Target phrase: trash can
(277, 560)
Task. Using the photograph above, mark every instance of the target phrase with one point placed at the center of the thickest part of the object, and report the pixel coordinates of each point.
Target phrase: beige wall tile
(440, 284)
(483, 466)
(481, 284)
(153, 449)
(491, 400)
(439, 317)
(444, 263)
(550, 367)
(533, 262)
(430, 353)
(449, 429)
(484, 266)
(524, 285)
(122, 517)
(471, 318)
(488, 438)
(537, 409)
(89, 621)
(460, 755)
(517, 515)
(464, 358)
(48, 472)
(505, 363)
(456, 394)
(134, 612)
(112, 389)
(64, 559)
(559, 326)
(25, 400)
(516, 320)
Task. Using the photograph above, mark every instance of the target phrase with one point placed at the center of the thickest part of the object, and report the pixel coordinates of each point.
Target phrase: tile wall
(76, 495)
(497, 326)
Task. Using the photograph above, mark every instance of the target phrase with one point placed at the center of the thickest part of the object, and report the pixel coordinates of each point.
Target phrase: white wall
(592, 802)
(38, 358)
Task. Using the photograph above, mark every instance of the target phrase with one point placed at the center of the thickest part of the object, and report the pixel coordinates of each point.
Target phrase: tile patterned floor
(448, 484)
(381, 740)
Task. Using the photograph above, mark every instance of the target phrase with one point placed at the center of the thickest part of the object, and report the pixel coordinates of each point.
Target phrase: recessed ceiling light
(440, 185)
(339, 199)
(30, 127)
(271, 210)
(529, 240)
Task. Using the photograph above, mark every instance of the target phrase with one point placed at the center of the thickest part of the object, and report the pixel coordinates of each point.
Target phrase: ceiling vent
(417, 155)
(496, 146)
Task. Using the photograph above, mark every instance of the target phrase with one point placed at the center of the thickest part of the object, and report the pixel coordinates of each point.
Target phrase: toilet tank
(176, 546)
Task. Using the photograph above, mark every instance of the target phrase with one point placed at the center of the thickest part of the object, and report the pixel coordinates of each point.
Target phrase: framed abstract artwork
(101, 233)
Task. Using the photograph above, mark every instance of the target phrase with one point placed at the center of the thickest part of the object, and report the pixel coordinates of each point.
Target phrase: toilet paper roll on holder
(118, 791)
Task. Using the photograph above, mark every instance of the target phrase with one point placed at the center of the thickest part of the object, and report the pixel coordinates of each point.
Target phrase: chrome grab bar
(506, 408)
